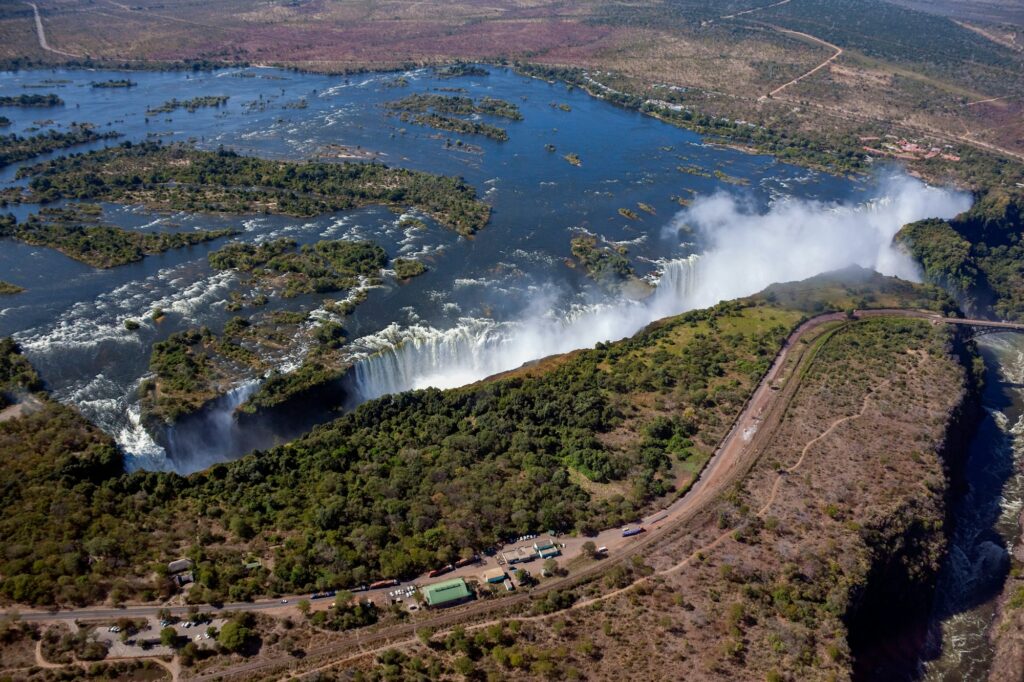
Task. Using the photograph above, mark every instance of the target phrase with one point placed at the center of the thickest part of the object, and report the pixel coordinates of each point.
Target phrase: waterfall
(399, 359)
(211, 435)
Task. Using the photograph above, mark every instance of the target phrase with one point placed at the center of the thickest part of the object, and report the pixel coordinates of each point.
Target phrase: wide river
(488, 303)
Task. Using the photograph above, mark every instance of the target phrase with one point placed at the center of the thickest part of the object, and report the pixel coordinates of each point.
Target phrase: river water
(986, 523)
(486, 304)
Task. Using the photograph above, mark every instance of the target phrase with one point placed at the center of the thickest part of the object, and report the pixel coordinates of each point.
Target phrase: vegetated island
(640, 418)
(179, 177)
(7, 289)
(31, 101)
(606, 264)
(407, 268)
(114, 83)
(456, 125)
(189, 105)
(976, 256)
(78, 232)
(434, 111)
(463, 106)
(460, 69)
(316, 268)
(14, 148)
(192, 368)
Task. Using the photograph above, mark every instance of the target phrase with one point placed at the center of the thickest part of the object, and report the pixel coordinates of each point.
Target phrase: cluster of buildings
(901, 148)
(542, 549)
(456, 591)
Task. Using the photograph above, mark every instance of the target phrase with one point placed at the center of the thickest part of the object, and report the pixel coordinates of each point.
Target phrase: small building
(179, 565)
(526, 554)
(542, 545)
(549, 552)
(446, 593)
(495, 575)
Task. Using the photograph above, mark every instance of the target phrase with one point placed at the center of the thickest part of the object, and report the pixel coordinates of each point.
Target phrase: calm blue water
(70, 320)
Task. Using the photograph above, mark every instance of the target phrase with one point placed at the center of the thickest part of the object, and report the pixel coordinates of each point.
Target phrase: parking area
(144, 639)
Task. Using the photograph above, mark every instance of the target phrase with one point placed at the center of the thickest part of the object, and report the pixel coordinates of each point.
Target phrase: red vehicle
(440, 571)
(466, 562)
(383, 583)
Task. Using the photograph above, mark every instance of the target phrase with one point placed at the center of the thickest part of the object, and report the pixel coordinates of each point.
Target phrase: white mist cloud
(744, 252)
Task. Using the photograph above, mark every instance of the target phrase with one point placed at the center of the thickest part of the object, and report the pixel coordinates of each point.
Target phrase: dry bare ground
(739, 59)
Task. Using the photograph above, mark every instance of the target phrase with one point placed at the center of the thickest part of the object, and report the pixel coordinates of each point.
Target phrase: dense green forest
(78, 232)
(406, 482)
(14, 148)
(976, 256)
(401, 484)
(182, 178)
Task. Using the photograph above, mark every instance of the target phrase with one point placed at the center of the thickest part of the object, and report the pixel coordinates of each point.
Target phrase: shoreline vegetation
(78, 232)
(640, 417)
(840, 153)
(14, 148)
(179, 177)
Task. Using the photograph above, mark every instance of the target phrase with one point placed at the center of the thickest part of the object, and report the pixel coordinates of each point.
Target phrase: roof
(446, 592)
(495, 575)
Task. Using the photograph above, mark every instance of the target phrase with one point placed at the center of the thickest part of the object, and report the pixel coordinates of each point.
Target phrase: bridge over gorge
(975, 326)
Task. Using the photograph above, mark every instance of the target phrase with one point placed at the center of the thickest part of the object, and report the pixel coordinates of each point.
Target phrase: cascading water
(212, 434)
(398, 360)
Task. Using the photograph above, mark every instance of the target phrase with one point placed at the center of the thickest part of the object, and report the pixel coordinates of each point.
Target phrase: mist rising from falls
(745, 251)
(211, 435)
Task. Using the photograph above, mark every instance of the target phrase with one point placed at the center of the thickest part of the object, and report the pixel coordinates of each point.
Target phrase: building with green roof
(447, 593)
